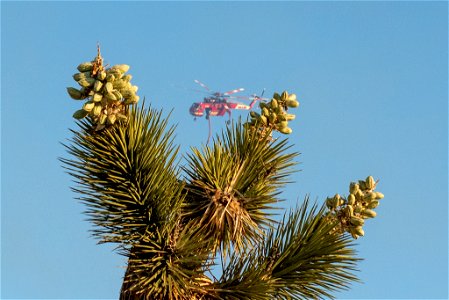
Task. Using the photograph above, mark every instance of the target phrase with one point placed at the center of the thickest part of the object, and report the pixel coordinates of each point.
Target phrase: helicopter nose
(195, 111)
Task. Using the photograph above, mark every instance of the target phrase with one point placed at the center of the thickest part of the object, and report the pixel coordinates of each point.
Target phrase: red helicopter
(217, 104)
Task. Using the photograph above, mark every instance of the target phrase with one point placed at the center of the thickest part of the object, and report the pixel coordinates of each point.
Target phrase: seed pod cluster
(352, 212)
(273, 114)
(107, 92)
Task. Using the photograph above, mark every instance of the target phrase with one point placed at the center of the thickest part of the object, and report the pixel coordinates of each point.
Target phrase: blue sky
(371, 78)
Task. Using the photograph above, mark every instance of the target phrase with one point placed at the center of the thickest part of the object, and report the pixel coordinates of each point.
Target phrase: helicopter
(217, 104)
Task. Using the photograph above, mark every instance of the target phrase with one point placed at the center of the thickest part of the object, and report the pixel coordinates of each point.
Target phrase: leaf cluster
(127, 176)
(297, 260)
(170, 227)
(233, 184)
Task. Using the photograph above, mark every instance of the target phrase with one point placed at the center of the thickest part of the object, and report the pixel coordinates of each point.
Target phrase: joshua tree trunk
(125, 294)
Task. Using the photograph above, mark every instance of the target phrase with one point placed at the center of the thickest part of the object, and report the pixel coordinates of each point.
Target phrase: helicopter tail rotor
(258, 98)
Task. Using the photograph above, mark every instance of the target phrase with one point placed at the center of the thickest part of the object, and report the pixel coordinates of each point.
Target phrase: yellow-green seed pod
(359, 231)
(110, 97)
(97, 97)
(262, 105)
(356, 221)
(358, 195)
(370, 182)
(362, 185)
(291, 97)
(81, 75)
(135, 88)
(279, 110)
(101, 75)
(276, 96)
(285, 130)
(88, 106)
(369, 196)
(350, 210)
(108, 87)
(281, 117)
(353, 187)
(116, 72)
(373, 204)
(284, 96)
(274, 103)
(122, 68)
(86, 82)
(292, 103)
(129, 101)
(75, 94)
(290, 117)
(97, 110)
(84, 67)
(135, 98)
(132, 100)
(265, 112)
(263, 120)
(351, 199)
(369, 213)
(127, 77)
(379, 195)
(272, 118)
(111, 119)
(117, 95)
(90, 80)
(127, 93)
(79, 114)
(283, 124)
(354, 235)
(110, 77)
(119, 84)
(102, 119)
(97, 85)
(358, 209)
(254, 114)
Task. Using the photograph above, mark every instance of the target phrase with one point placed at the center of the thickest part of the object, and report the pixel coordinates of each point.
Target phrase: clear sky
(373, 85)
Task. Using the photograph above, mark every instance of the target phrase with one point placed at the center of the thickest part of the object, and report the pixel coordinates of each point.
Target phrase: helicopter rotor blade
(234, 91)
(250, 97)
(202, 84)
(240, 98)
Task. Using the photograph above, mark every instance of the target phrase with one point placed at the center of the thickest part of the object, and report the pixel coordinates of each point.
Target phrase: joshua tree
(181, 223)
